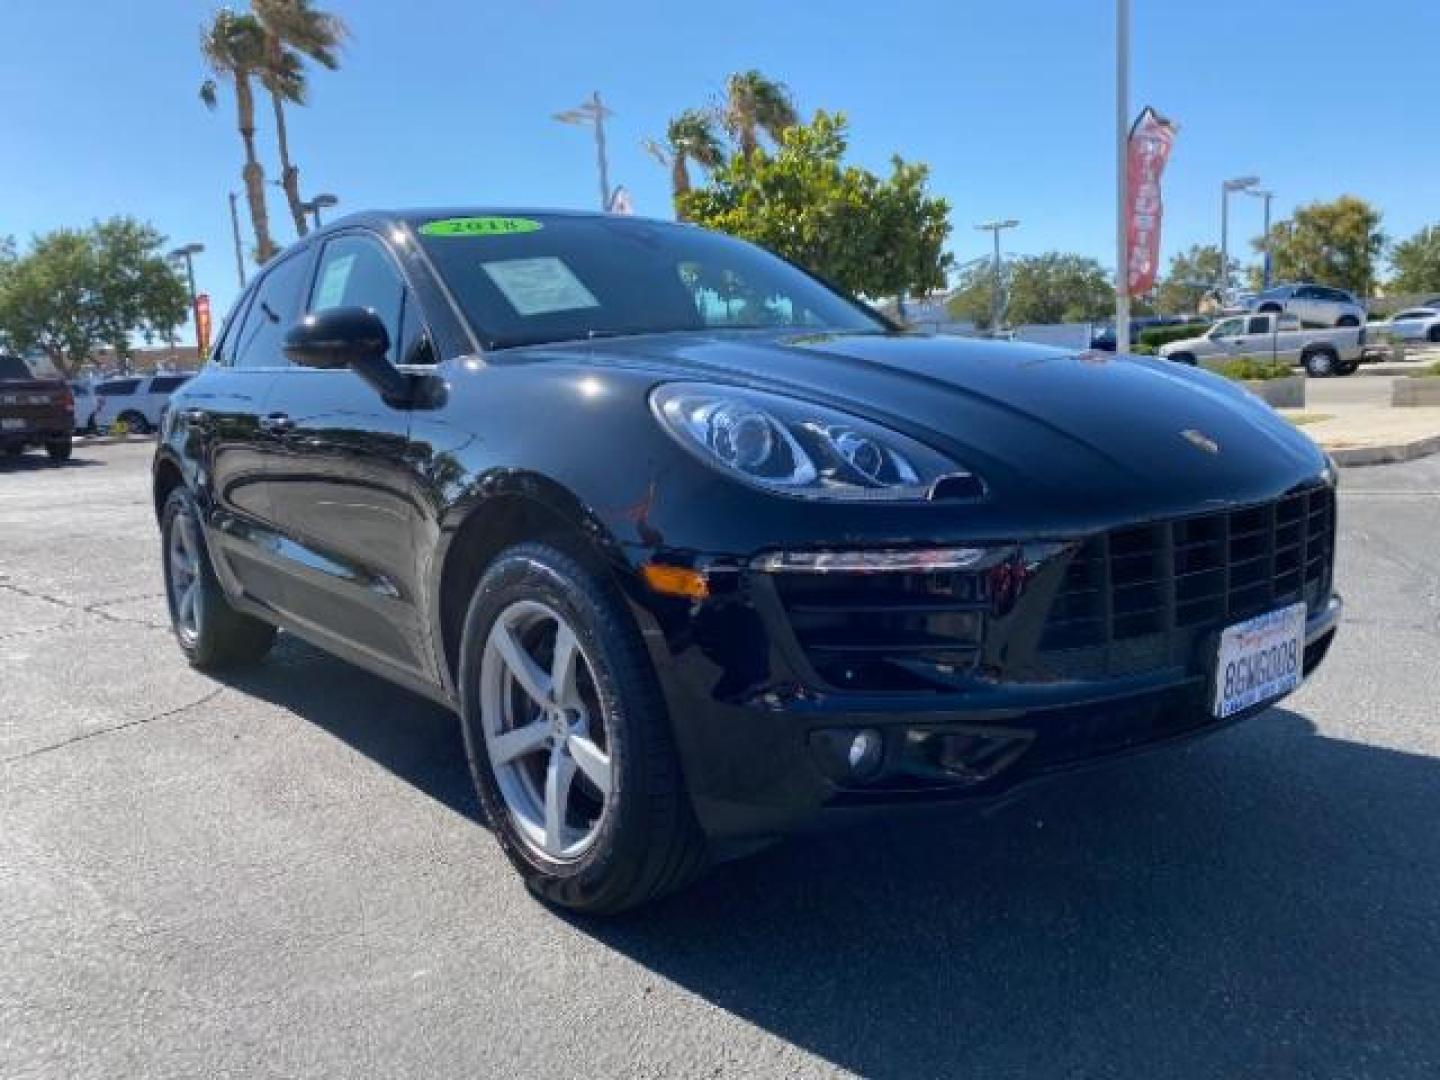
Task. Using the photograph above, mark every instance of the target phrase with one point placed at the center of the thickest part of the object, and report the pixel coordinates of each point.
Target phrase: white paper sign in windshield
(332, 283)
(539, 286)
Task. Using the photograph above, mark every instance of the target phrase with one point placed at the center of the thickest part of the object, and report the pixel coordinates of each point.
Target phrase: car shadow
(1265, 902)
(38, 462)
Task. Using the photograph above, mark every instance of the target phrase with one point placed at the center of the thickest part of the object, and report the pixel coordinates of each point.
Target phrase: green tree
(867, 235)
(234, 49)
(688, 137)
(1192, 275)
(974, 292)
(1058, 287)
(1330, 243)
(754, 103)
(294, 30)
(76, 289)
(1416, 262)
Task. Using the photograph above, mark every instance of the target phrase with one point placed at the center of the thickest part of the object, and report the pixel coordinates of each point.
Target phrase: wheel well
(500, 523)
(167, 479)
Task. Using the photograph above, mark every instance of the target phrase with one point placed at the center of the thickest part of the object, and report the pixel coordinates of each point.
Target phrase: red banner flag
(202, 325)
(1151, 138)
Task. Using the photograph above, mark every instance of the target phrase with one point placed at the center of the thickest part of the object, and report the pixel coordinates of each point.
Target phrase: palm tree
(234, 48)
(294, 30)
(688, 137)
(754, 104)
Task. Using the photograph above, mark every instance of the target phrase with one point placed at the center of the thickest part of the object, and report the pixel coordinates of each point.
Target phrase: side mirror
(337, 338)
(352, 337)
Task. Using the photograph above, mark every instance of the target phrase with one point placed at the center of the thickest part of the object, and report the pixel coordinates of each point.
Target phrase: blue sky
(449, 101)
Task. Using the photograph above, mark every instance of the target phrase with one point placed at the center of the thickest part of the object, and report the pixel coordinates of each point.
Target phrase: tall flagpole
(1122, 169)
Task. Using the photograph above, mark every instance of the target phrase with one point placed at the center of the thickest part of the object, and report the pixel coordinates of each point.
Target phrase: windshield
(12, 367)
(1227, 328)
(532, 279)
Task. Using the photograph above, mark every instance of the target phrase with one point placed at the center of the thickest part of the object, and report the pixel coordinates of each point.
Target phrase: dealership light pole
(593, 112)
(313, 206)
(1122, 177)
(235, 235)
(188, 253)
(1267, 196)
(994, 227)
(1240, 183)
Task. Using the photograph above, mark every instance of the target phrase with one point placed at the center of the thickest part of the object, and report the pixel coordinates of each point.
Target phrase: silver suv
(1313, 305)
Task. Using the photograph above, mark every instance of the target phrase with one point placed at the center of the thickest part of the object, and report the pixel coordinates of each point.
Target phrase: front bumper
(1063, 655)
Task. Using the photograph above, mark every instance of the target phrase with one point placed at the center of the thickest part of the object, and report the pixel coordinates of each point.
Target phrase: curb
(110, 440)
(1348, 456)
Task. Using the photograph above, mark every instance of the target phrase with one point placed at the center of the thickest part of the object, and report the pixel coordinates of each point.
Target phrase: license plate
(1260, 659)
(11, 423)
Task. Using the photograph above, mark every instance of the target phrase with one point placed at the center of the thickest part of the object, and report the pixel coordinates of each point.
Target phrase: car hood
(1081, 424)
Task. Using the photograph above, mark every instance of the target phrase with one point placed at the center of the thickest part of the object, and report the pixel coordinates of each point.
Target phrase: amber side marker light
(676, 581)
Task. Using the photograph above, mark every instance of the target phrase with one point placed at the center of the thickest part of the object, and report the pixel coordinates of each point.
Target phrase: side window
(1309, 292)
(118, 388)
(356, 271)
(166, 384)
(1259, 324)
(275, 307)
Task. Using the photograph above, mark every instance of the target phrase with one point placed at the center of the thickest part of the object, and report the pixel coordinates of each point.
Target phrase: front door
(343, 483)
(223, 415)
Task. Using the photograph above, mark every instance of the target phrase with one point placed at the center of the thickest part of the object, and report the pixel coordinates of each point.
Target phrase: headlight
(797, 448)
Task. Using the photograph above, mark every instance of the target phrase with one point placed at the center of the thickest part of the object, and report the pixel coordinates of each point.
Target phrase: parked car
(83, 410)
(1313, 305)
(1104, 338)
(698, 548)
(1279, 338)
(1412, 324)
(136, 401)
(35, 408)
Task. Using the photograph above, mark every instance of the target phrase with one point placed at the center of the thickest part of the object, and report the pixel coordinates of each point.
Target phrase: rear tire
(1321, 363)
(643, 840)
(135, 423)
(1433, 334)
(60, 449)
(211, 633)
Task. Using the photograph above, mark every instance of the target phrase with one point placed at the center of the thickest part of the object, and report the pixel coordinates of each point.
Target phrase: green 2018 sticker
(479, 226)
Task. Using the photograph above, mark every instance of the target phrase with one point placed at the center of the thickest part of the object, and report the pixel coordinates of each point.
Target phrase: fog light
(848, 754)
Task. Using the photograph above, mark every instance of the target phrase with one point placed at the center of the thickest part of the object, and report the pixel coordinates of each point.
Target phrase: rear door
(1311, 307)
(344, 487)
(224, 413)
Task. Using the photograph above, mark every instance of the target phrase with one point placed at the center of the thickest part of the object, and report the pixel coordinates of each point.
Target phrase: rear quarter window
(118, 388)
(165, 384)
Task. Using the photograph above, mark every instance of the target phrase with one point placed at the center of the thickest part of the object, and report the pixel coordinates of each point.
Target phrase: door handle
(276, 423)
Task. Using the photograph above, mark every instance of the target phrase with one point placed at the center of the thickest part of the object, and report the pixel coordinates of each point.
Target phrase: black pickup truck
(34, 410)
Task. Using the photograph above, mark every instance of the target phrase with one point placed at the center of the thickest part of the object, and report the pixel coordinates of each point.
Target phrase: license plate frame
(1258, 660)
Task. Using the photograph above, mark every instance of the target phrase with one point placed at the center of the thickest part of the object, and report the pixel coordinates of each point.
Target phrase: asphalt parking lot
(282, 874)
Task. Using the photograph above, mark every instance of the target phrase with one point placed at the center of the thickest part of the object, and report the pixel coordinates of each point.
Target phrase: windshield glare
(573, 278)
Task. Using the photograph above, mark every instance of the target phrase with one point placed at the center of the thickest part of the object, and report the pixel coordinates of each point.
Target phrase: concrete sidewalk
(1360, 427)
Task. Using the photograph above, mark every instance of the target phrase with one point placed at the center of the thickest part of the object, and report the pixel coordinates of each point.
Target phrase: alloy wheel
(546, 731)
(184, 563)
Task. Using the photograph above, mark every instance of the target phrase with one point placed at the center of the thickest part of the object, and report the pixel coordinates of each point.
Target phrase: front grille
(1208, 570)
(885, 631)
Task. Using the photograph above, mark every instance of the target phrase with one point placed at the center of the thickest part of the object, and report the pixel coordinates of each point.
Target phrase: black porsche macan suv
(698, 548)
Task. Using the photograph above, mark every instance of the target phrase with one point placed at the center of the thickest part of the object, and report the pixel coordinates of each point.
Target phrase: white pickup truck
(1334, 351)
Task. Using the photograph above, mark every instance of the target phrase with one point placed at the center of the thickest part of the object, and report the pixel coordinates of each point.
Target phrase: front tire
(568, 738)
(211, 633)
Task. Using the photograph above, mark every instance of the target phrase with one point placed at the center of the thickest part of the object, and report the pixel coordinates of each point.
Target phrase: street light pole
(593, 112)
(994, 227)
(235, 234)
(1240, 183)
(313, 206)
(1122, 175)
(1267, 196)
(188, 253)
